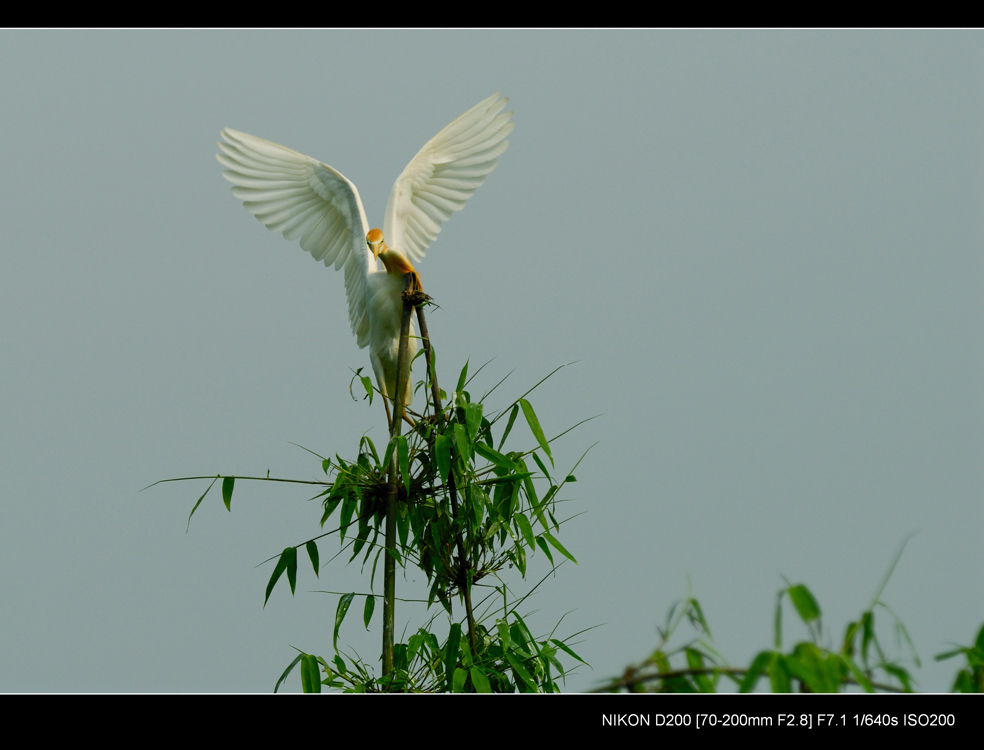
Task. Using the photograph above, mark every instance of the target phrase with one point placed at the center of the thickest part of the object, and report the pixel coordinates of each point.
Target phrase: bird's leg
(415, 284)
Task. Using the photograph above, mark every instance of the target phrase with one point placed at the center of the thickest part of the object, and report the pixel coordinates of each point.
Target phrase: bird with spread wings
(305, 199)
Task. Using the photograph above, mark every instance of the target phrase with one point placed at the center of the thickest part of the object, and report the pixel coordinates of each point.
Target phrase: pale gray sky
(763, 248)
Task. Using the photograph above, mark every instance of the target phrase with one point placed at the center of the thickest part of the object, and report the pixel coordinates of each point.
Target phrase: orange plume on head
(375, 235)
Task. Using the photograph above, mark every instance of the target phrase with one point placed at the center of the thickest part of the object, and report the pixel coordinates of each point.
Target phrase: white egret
(306, 199)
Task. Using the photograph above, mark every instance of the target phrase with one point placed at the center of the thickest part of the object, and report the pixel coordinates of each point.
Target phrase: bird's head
(375, 241)
(395, 261)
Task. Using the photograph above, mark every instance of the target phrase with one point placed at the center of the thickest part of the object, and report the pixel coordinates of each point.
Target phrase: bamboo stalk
(389, 564)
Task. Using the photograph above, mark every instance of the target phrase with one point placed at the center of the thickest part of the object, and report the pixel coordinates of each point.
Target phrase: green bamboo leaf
(699, 613)
(778, 620)
(779, 675)
(343, 606)
(490, 454)
(460, 676)
(695, 661)
(291, 553)
(461, 441)
(514, 497)
(951, 654)
(860, 676)
(479, 501)
(525, 528)
(442, 446)
(804, 602)
(402, 525)
(345, 518)
(518, 556)
(485, 431)
(361, 538)
(200, 502)
(803, 665)
(367, 441)
(542, 544)
(367, 612)
(508, 478)
(473, 420)
(312, 550)
(551, 657)
(466, 657)
(277, 572)
(760, 663)
(330, 506)
(520, 632)
(901, 634)
(480, 681)
(504, 638)
(413, 646)
(451, 653)
(566, 649)
(509, 424)
(534, 424)
(339, 663)
(834, 672)
(462, 378)
(559, 547)
(521, 672)
(867, 634)
(287, 671)
(543, 468)
(227, 483)
(535, 505)
(550, 493)
(310, 674)
(964, 682)
(847, 646)
(375, 561)
(367, 384)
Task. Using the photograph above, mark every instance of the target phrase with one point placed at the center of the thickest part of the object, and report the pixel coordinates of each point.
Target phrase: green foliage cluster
(971, 678)
(500, 505)
(860, 662)
(468, 509)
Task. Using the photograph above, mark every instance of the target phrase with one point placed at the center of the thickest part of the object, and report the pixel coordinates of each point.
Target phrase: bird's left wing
(305, 199)
(444, 174)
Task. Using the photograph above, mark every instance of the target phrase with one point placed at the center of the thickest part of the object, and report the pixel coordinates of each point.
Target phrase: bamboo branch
(389, 563)
(634, 679)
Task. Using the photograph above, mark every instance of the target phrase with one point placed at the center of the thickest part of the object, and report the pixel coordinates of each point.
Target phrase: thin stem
(431, 370)
(463, 562)
(389, 563)
(236, 476)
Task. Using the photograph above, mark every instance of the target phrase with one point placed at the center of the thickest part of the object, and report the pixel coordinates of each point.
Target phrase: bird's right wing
(303, 198)
(444, 174)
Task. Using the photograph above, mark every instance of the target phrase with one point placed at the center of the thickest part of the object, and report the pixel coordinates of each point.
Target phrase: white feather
(305, 199)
